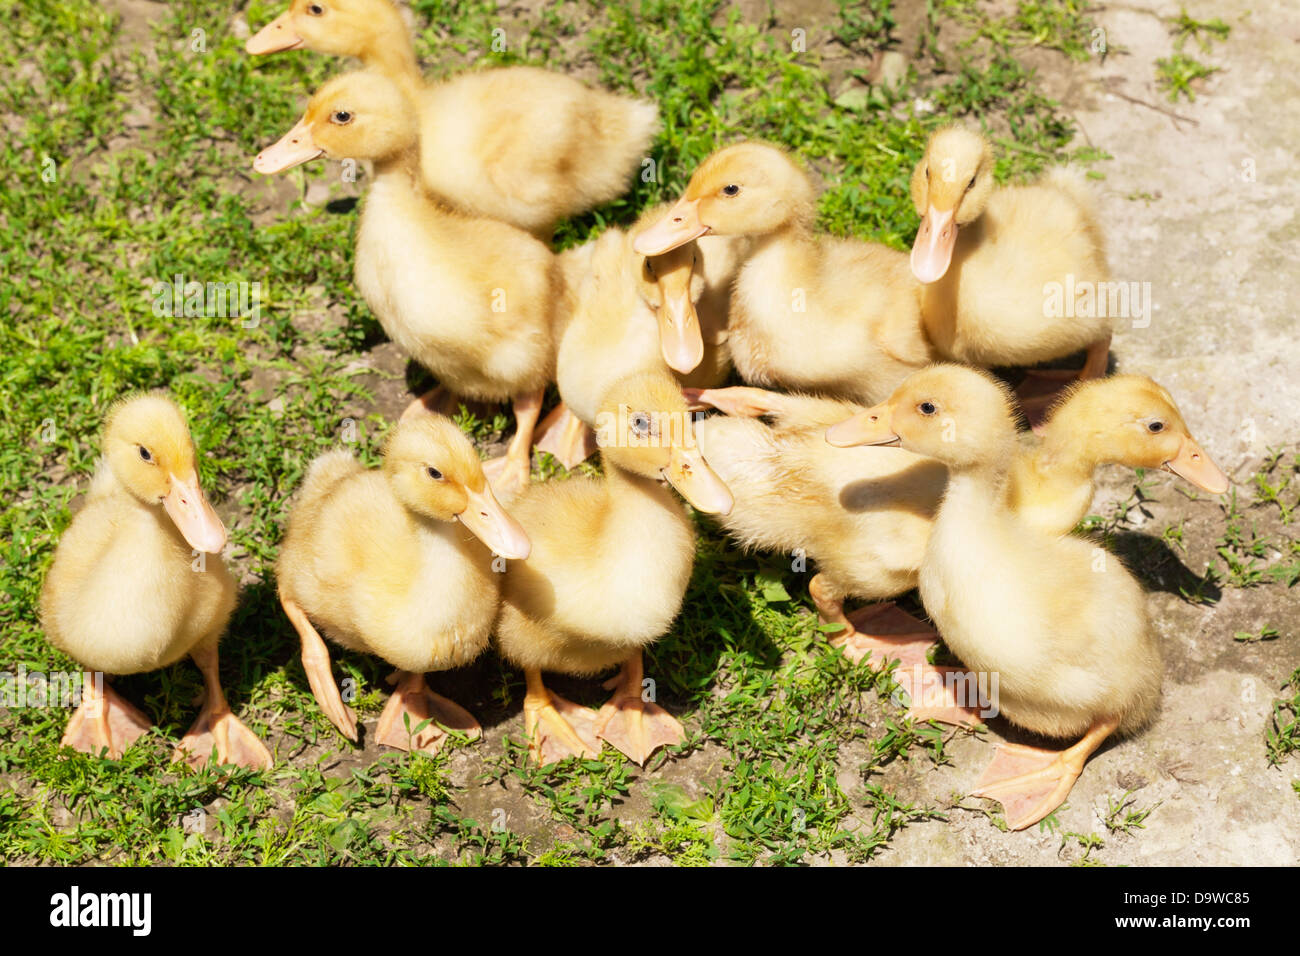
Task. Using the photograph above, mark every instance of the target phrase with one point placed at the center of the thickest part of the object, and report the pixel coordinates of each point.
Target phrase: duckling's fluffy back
(991, 307)
(530, 146)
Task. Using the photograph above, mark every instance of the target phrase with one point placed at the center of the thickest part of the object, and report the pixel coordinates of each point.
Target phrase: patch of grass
(1204, 32)
(1055, 24)
(1282, 737)
(1266, 633)
(1124, 816)
(1175, 74)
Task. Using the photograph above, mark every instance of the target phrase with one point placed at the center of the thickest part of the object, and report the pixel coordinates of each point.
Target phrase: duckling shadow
(342, 205)
(1014, 375)
(916, 490)
(1159, 568)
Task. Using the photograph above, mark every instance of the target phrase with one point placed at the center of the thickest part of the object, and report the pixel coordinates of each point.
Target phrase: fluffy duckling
(808, 312)
(630, 313)
(986, 254)
(1069, 641)
(518, 144)
(470, 299)
(864, 513)
(397, 562)
(138, 583)
(610, 564)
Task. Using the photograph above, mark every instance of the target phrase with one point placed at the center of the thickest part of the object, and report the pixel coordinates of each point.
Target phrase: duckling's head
(749, 189)
(670, 284)
(361, 115)
(435, 472)
(148, 448)
(357, 28)
(951, 186)
(1130, 420)
(645, 427)
(956, 414)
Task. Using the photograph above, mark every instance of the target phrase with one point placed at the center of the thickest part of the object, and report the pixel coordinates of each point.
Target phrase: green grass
(130, 162)
(1283, 734)
(1178, 72)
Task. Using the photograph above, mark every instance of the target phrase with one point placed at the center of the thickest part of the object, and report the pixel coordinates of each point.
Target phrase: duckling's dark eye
(649, 270)
(434, 473)
(926, 408)
(640, 423)
(731, 189)
(971, 184)
(144, 453)
(927, 174)
(315, 9)
(341, 117)
(1154, 427)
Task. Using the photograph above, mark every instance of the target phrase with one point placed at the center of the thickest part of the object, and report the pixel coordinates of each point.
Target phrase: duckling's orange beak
(1193, 464)
(275, 36)
(492, 524)
(699, 484)
(294, 148)
(193, 516)
(872, 427)
(680, 338)
(935, 240)
(680, 225)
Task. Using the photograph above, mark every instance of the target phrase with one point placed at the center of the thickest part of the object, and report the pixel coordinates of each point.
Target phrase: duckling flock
(845, 348)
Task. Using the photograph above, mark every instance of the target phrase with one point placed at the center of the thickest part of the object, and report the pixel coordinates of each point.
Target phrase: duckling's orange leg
(739, 401)
(316, 662)
(556, 728)
(216, 726)
(413, 699)
(883, 631)
(634, 725)
(566, 436)
(103, 721)
(1031, 782)
(1043, 386)
(510, 474)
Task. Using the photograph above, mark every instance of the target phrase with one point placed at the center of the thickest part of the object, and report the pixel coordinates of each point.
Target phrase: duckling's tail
(324, 473)
(1072, 181)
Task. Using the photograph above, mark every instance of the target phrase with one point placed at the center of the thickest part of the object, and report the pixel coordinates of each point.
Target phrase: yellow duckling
(864, 513)
(610, 564)
(469, 299)
(808, 312)
(396, 562)
(630, 313)
(987, 255)
(1067, 640)
(1124, 420)
(138, 583)
(518, 144)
